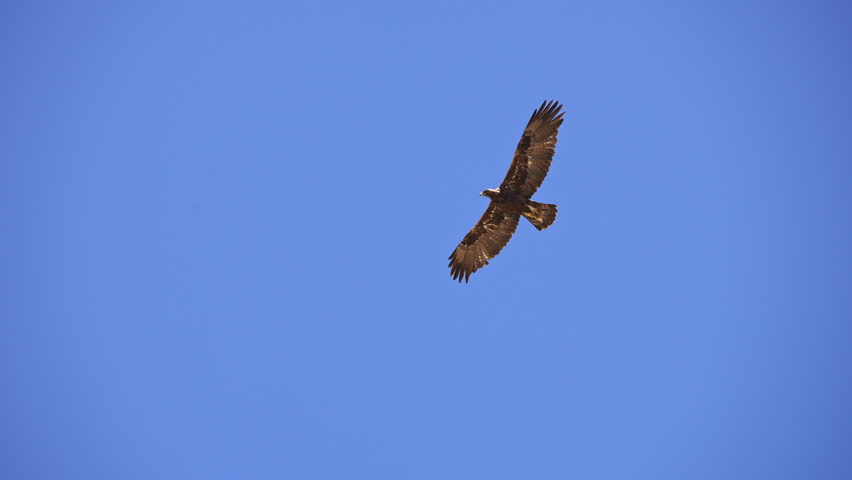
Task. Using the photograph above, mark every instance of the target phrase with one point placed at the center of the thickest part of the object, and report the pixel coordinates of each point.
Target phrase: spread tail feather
(541, 215)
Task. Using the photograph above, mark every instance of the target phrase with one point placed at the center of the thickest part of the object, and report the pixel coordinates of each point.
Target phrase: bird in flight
(511, 199)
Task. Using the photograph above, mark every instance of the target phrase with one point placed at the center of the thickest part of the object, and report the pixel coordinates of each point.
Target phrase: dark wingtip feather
(549, 109)
(458, 270)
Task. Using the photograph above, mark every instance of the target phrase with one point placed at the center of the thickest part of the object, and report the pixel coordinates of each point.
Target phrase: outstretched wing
(485, 240)
(535, 150)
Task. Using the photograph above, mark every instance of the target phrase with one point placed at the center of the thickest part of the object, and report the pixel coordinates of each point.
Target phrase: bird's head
(491, 192)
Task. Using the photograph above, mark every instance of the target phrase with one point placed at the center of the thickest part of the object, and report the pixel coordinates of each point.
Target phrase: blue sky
(226, 231)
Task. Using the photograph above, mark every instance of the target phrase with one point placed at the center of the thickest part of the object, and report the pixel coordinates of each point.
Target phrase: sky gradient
(226, 228)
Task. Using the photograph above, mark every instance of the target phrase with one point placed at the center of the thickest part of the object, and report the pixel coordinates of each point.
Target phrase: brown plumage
(512, 199)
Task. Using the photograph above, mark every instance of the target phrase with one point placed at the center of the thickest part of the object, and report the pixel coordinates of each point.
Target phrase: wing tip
(458, 270)
(549, 110)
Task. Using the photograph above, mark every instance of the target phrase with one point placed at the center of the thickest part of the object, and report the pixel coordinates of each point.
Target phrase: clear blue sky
(226, 229)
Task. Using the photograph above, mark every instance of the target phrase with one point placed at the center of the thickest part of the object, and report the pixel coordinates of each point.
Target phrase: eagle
(511, 199)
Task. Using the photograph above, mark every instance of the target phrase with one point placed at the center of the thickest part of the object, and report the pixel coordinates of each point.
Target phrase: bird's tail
(541, 215)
